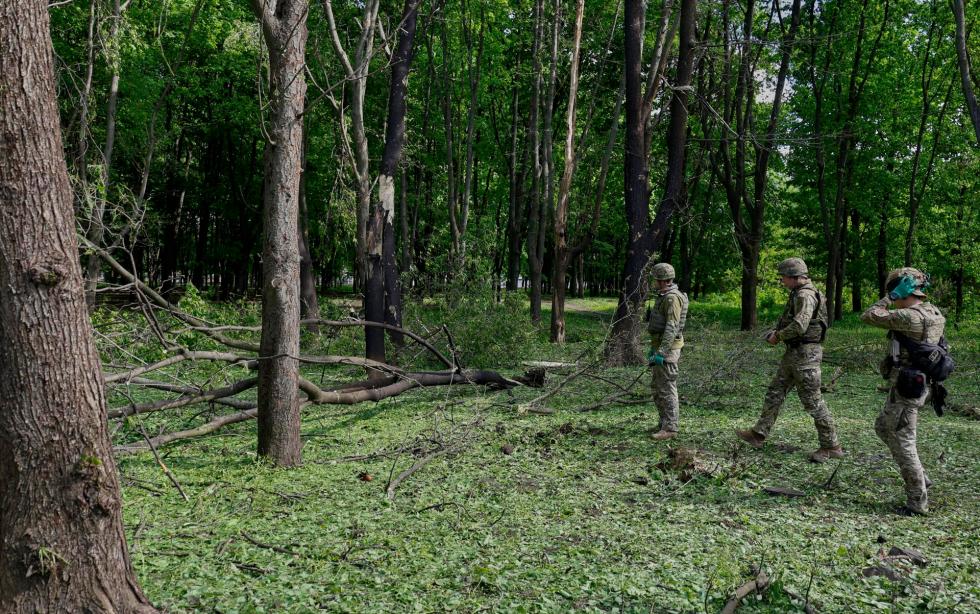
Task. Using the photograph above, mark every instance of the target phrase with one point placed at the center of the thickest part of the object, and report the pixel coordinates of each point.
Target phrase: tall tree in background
(62, 544)
(965, 65)
(743, 173)
(401, 63)
(284, 30)
(645, 237)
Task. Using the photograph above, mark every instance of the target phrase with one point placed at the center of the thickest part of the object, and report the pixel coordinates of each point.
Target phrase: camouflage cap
(792, 267)
(663, 271)
(921, 279)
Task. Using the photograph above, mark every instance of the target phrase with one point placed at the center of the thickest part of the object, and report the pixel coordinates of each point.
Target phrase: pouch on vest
(933, 359)
(911, 383)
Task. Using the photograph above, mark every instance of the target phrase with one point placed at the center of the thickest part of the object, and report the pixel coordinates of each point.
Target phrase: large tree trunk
(622, 346)
(645, 237)
(62, 543)
(278, 399)
(963, 62)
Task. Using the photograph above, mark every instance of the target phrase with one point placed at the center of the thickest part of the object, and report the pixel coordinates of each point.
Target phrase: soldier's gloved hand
(906, 286)
(655, 358)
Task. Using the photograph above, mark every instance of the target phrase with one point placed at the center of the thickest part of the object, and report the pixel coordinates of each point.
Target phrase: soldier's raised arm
(902, 320)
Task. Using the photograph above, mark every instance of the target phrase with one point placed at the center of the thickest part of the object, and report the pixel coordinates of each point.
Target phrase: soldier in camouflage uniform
(801, 328)
(920, 321)
(666, 326)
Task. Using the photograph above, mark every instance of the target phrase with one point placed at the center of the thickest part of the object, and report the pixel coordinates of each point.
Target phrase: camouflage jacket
(798, 324)
(667, 319)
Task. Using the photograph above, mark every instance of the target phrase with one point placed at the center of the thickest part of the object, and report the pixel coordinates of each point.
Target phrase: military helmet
(896, 275)
(792, 267)
(663, 271)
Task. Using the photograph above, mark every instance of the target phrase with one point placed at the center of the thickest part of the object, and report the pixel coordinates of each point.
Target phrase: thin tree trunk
(62, 540)
(563, 254)
(309, 306)
(96, 228)
(285, 34)
(856, 261)
(401, 62)
(536, 203)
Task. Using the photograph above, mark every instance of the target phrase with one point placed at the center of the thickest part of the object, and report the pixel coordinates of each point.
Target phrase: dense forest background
(874, 161)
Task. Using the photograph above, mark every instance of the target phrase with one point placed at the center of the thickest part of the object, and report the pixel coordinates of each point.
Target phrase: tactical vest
(933, 326)
(817, 329)
(658, 316)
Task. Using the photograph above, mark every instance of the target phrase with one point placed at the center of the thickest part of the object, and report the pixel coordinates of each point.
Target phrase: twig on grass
(422, 462)
(166, 470)
(272, 547)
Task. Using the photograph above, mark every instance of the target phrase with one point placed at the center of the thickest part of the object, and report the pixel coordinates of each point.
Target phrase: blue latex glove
(655, 358)
(905, 287)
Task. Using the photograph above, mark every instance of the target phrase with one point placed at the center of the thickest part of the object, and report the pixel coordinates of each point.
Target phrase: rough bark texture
(62, 545)
(278, 417)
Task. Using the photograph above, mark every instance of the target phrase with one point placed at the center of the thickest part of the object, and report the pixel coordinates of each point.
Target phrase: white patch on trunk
(386, 189)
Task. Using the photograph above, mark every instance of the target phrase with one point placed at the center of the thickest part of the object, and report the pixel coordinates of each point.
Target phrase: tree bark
(401, 63)
(562, 252)
(62, 543)
(964, 64)
(645, 237)
(285, 35)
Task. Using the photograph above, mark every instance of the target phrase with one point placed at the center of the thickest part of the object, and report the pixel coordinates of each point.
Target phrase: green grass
(585, 513)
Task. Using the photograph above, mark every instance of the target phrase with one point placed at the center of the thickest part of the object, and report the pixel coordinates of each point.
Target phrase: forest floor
(579, 509)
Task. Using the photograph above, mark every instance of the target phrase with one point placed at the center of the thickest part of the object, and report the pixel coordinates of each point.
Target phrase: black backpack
(932, 359)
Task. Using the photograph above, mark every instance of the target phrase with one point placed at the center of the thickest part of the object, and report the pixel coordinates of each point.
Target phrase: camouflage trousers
(800, 369)
(664, 386)
(896, 426)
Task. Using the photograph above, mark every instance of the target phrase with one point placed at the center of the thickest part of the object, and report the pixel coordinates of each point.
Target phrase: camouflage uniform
(800, 366)
(896, 424)
(667, 320)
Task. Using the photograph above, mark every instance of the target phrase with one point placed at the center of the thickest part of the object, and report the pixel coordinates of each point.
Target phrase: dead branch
(210, 395)
(204, 429)
(182, 356)
(422, 462)
(758, 584)
(191, 390)
(166, 470)
(272, 547)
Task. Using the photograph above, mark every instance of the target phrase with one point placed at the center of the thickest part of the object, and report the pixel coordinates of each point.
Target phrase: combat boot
(751, 437)
(663, 435)
(825, 454)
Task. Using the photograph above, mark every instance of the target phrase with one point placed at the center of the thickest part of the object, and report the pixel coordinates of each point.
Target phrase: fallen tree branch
(182, 356)
(422, 462)
(144, 408)
(192, 390)
(166, 470)
(204, 429)
(758, 584)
